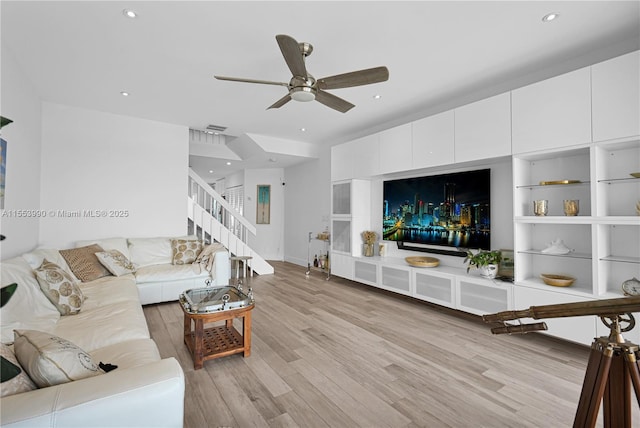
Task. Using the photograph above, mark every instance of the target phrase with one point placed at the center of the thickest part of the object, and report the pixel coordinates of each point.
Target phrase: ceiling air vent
(216, 128)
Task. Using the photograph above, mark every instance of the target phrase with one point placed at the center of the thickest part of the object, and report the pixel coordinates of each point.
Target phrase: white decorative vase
(489, 271)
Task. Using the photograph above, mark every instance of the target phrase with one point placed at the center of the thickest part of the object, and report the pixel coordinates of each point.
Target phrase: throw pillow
(59, 288)
(50, 360)
(185, 251)
(84, 264)
(115, 262)
(17, 381)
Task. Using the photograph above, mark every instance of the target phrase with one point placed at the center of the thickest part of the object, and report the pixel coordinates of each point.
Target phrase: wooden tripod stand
(611, 370)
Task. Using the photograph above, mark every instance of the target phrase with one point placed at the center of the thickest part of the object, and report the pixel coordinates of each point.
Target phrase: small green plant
(482, 258)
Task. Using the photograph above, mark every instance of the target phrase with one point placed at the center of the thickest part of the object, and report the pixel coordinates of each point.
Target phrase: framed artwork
(505, 268)
(263, 206)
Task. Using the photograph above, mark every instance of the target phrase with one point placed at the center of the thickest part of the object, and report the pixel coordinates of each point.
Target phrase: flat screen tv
(440, 211)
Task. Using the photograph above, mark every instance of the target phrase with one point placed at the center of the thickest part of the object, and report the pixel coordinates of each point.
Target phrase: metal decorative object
(304, 87)
(613, 362)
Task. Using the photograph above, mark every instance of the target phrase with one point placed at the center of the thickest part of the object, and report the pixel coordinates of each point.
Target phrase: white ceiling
(439, 55)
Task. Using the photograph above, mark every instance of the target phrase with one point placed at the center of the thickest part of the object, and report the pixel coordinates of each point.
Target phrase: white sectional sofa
(144, 389)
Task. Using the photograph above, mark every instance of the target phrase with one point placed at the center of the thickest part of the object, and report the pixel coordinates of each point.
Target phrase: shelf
(577, 289)
(621, 259)
(571, 255)
(620, 180)
(550, 186)
(556, 219)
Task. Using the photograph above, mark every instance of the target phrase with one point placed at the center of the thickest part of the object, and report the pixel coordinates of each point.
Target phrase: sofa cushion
(130, 353)
(185, 251)
(115, 262)
(108, 244)
(28, 308)
(51, 360)
(59, 288)
(84, 263)
(109, 290)
(18, 383)
(36, 257)
(168, 272)
(104, 324)
(150, 251)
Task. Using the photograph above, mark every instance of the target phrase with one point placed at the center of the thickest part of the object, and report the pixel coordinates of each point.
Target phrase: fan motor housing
(303, 89)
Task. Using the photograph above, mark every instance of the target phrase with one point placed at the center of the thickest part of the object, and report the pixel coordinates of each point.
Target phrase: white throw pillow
(59, 288)
(50, 360)
(20, 382)
(150, 251)
(28, 308)
(116, 262)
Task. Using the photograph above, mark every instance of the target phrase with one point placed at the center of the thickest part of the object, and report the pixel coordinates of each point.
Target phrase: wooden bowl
(422, 261)
(557, 280)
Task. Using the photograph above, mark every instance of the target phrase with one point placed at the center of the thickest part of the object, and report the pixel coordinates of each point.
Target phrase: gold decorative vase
(571, 207)
(367, 250)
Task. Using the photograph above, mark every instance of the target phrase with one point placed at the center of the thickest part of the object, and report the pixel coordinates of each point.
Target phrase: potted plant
(486, 261)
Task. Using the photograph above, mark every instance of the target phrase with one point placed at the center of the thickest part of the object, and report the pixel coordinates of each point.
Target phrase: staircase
(211, 218)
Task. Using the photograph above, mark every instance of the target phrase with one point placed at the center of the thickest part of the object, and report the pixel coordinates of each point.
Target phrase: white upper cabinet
(553, 113)
(395, 149)
(483, 129)
(616, 97)
(341, 162)
(433, 140)
(365, 156)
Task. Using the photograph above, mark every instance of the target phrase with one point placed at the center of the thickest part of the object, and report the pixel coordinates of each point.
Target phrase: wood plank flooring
(341, 354)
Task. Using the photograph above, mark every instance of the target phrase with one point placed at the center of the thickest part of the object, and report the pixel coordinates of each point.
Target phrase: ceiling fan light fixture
(303, 94)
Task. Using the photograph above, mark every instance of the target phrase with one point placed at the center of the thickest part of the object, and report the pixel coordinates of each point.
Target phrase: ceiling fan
(304, 87)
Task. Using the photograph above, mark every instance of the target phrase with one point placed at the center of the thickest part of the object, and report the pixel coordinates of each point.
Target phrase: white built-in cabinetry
(582, 126)
(433, 140)
(483, 129)
(553, 113)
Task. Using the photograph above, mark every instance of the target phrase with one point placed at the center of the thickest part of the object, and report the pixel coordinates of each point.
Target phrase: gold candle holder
(571, 207)
(540, 207)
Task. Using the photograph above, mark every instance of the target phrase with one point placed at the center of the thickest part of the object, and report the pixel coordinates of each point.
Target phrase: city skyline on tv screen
(451, 210)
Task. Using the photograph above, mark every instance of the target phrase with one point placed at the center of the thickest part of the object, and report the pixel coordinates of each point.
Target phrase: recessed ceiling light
(210, 171)
(550, 17)
(303, 129)
(124, 93)
(228, 163)
(129, 13)
(377, 96)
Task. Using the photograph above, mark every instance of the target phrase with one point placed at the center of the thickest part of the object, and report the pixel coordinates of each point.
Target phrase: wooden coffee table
(209, 305)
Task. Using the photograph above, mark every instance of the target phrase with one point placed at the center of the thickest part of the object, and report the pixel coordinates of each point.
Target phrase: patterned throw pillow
(115, 262)
(59, 288)
(185, 251)
(50, 360)
(84, 264)
(17, 383)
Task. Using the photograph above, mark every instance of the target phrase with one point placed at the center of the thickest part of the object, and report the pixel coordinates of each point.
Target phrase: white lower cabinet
(341, 265)
(482, 296)
(365, 272)
(435, 287)
(577, 329)
(396, 278)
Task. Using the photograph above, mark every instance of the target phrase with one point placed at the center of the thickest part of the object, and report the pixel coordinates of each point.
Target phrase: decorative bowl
(557, 280)
(422, 261)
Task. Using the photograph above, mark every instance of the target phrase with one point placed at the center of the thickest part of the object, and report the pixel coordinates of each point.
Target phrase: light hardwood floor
(340, 354)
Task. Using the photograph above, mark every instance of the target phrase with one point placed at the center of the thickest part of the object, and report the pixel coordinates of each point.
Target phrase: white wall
(269, 239)
(307, 205)
(133, 169)
(20, 103)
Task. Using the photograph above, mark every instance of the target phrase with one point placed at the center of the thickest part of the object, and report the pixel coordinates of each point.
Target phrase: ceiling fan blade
(292, 55)
(282, 101)
(354, 78)
(262, 82)
(334, 102)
